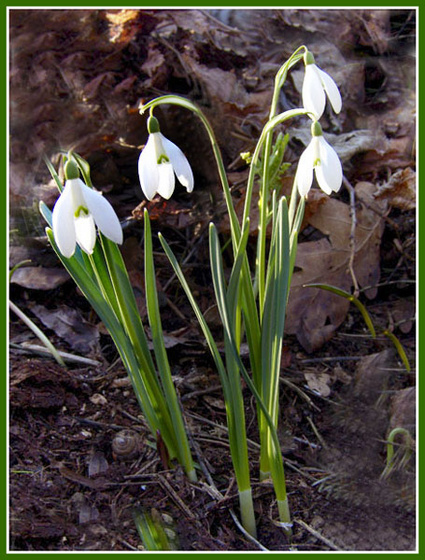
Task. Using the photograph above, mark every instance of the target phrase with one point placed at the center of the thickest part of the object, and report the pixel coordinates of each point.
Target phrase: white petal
(332, 90)
(304, 174)
(179, 162)
(63, 221)
(313, 95)
(103, 214)
(166, 181)
(148, 174)
(86, 232)
(329, 172)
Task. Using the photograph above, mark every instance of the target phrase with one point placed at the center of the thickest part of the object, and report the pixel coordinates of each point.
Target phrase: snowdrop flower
(159, 161)
(76, 212)
(322, 158)
(316, 86)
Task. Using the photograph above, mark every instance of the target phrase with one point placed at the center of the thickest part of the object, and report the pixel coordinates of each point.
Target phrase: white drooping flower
(159, 160)
(316, 86)
(77, 212)
(321, 158)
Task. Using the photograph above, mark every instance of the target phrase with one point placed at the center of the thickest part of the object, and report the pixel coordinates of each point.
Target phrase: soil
(71, 486)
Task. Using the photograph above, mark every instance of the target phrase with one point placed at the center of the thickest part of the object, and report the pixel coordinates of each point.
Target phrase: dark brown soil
(69, 487)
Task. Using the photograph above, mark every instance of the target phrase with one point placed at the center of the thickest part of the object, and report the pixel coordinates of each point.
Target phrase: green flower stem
(180, 437)
(276, 456)
(248, 303)
(265, 183)
(182, 102)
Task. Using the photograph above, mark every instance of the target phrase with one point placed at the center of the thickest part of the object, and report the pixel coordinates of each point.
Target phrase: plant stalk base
(247, 512)
(285, 516)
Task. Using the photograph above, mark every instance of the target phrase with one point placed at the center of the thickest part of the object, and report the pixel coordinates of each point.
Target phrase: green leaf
(399, 348)
(198, 313)
(84, 168)
(90, 289)
(54, 174)
(179, 432)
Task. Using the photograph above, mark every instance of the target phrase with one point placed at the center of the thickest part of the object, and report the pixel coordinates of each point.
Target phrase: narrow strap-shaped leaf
(399, 348)
(201, 319)
(53, 173)
(130, 316)
(218, 278)
(180, 437)
(235, 276)
(109, 319)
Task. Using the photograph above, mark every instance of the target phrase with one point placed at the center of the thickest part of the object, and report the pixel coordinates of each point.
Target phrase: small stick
(353, 216)
(315, 533)
(176, 498)
(35, 348)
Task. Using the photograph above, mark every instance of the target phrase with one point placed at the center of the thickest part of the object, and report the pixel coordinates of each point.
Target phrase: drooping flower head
(321, 158)
(159, 160)
(316, 86)
(78, 211)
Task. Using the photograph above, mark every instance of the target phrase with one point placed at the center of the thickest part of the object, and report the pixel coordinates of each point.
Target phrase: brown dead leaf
(403, 313)
(400, 190)
(123, 25)
(214, 402)
(70, 326)
(372, 374)
(153, 62)
(39, 278)
(93, 88)
(403, 409)
(171, 213)
(97, 464)
(319, 383)
(313, 314)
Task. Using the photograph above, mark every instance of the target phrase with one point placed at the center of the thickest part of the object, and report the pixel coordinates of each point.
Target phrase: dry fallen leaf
(39, 278)
(399, 190)
(319, 383)
(372, 374)
(69, 324)
(313, 314)
(403, 409)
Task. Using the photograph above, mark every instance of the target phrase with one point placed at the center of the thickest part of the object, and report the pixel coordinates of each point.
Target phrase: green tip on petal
(309, 58)
(316, 129)
(153, 125)
(71, 170)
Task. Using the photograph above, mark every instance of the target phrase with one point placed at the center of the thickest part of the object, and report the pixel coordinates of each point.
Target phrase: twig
(316, 432)
(175, 497)
(353, 216)
(35, 348)
(316, 534)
